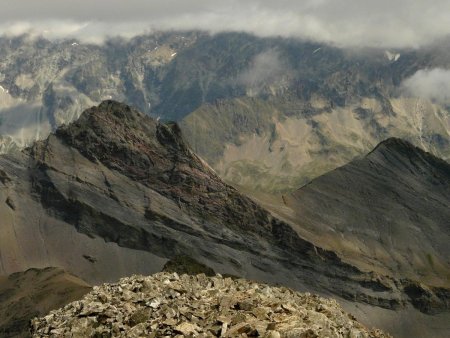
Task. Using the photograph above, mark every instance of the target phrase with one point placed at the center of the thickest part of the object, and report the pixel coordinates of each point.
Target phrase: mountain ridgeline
(388, 211)
(119, 189)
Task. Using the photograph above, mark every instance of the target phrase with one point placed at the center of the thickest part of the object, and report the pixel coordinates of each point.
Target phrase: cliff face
(118, 189)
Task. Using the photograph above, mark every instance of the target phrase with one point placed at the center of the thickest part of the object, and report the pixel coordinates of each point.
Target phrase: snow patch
(392, 56)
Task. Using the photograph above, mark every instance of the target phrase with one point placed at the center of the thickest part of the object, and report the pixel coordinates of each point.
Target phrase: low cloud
(89, 32)
(431, 84)
(362, 23)
(265, 69)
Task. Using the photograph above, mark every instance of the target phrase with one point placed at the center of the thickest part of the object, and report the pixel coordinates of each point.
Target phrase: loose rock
(169, 305)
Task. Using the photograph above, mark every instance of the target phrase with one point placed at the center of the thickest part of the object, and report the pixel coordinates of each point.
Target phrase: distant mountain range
(117, 192)
(268, 114)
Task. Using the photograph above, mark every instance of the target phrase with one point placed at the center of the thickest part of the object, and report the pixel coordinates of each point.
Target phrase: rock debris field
(169, 305)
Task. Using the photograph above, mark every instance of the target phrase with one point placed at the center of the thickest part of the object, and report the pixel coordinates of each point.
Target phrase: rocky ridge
(198, 306)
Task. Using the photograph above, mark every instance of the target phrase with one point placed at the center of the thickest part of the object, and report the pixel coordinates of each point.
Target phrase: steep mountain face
(267, 114)
(387, 212)
(118, 189)
(121, 176)
(35, 292)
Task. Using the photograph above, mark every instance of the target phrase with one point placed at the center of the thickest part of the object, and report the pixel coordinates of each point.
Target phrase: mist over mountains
(348, 23)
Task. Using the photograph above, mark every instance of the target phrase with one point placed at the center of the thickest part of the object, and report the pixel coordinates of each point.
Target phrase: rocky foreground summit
(167, 304)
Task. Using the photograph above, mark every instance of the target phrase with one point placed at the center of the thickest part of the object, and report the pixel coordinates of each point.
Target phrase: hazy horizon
(345, 23)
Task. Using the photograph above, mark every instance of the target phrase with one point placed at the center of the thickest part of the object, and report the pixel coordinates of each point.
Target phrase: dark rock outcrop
(183, 264)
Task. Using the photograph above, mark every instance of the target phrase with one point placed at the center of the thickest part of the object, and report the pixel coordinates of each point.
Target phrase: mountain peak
(394, 199)
(395, 144)
(396, 141)
(118, 110)
(121, 137)
(122, 115)
(154, 154)
(396, 150)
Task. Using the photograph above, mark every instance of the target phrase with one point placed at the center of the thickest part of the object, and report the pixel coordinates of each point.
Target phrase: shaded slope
(388, 211)
(32, 293)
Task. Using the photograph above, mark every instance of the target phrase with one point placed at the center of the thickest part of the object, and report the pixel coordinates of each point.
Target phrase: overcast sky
(380, 23)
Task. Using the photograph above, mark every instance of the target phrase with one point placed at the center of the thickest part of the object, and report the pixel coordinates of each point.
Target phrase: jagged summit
(155, 155)
(115, 108)
(119, 135)
(127, 140)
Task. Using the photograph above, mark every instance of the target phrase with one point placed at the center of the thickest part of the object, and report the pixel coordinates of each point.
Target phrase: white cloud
(432, 84)
(265, 69)
(381, 23)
